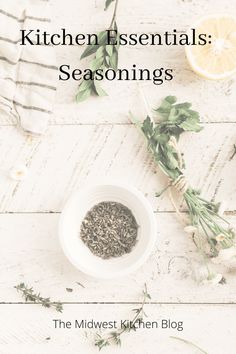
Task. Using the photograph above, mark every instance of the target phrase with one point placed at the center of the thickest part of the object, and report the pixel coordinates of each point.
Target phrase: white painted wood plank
(70, 157)
(153, 15)
(31, 253)
(134, 17)
(25, 329)
(215, 100)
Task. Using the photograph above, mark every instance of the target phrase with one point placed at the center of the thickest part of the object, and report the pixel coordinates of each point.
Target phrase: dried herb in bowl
(109, 230)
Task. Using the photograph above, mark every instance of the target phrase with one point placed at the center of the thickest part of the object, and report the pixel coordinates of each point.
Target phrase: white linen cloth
(28, 74)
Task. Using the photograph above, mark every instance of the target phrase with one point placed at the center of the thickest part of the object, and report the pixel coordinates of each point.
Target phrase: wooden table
(95, 141)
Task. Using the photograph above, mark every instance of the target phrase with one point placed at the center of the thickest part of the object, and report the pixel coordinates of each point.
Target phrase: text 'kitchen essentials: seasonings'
(109, 230)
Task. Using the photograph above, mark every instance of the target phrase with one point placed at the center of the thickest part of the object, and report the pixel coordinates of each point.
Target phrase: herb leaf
(89, 51)
(162, 139)
(96, 64)
(105, 57)
(100, 92)
(114, 337)
(191, 124)
(92, 48)
(108, 3)
(31, 296)
(177, 118)
(114, 60)
(109, 50)
(82, 95)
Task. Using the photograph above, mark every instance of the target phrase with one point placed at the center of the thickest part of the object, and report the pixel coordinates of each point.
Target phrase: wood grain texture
(209, 97)
(93, 142)
(136, 16)
(27, 327)
(33, 255)
(70, 157)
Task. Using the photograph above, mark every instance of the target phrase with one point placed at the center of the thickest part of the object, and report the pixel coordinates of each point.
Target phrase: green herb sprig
(115, 336)
(105, 57)
(30, 296)
(205, 224)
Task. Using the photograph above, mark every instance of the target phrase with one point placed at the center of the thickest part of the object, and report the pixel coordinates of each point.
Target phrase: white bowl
(80, 255)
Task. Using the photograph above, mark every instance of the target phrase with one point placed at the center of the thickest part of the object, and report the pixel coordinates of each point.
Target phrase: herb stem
(234, 153)
(162, 138)
(36, 298)
(114, 15)
(190, 343)
(114, 337)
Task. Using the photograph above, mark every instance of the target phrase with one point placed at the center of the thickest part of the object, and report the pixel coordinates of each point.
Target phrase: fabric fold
(28, 74)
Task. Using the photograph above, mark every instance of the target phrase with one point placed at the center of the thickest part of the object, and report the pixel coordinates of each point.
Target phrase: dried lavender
(109, 230)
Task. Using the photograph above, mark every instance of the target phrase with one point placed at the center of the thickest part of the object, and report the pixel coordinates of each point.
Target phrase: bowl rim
(147, 250)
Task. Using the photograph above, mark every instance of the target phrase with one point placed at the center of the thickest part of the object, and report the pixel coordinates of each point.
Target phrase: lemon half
(216, 59)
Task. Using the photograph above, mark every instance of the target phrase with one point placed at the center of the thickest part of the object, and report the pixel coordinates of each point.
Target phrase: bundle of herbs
(211, 233)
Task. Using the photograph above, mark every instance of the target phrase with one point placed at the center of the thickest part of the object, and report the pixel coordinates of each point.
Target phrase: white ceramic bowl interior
(80, 255)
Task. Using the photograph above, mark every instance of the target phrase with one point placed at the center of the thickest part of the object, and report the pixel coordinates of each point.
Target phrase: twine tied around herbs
(180, 184)
(210, 231)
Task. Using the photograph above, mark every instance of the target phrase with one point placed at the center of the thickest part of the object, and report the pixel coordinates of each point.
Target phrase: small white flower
(232, 229)
(220, 237)
(200, 273)
(19, 172)
(213, 279)
(226, 257)
(190, 229)
(203, 276)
